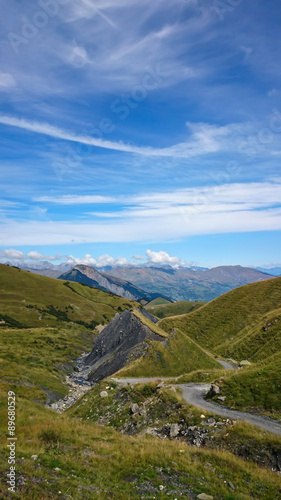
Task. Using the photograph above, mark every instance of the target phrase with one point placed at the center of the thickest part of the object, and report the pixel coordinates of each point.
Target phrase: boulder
(203, 496)
(135, 408)
(143, 411)
(214, 391)
(174, 430)
(103, 394)
(209, 421)
(245, 362)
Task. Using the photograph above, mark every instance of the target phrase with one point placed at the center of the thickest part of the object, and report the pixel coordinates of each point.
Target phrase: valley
(98, 377)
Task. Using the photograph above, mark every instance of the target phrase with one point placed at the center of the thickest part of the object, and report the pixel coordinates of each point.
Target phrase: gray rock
(143, 411)
(125, 338)
(214, 391)
(174, 430)
(135, 408)
(103, 394)
(231, 485)
(222, 398)
(203, 496)
(209, 421)
(147, 430)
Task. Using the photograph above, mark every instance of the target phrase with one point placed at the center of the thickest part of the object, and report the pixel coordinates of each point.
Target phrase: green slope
(45, 324)
(243, 324)
(257, 388)
(225, 317)
(159, 301)
(30, 300)
(257, 343)
(173, 309)
(61, 457)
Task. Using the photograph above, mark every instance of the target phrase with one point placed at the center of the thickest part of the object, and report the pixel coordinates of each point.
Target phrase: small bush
(49, 436)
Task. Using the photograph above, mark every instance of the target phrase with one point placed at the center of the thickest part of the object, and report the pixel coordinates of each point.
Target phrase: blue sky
(146, 129)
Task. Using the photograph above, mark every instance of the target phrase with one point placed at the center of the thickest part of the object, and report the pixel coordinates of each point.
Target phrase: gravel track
(194, 394)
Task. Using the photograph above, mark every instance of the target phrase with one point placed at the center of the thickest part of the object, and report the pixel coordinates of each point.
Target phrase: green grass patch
(159, 301)
(174, 309)
(85, 461)
(28, 300)
(225, 317)
(36, 360)
(256, 388)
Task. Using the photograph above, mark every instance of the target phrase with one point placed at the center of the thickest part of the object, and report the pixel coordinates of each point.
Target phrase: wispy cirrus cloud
(7, 82)
(203, 138)
(152, 229)
(231, 195)
(228, 208)
(75, 199)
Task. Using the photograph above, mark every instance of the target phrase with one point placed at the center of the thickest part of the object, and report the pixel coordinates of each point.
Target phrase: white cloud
(102, 261)
(74, 199)
(228, 208)
(204, 139)
(138, 257)
(34, 255)
(163, 259)
(12, 254)
(19, 257)
(76, 55)
(7, 81)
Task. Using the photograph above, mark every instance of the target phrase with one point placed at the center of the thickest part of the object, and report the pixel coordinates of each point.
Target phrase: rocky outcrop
(124, 339)
(91, 277)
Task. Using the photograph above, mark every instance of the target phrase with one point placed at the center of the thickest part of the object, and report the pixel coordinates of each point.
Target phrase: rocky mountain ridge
(124, 340)
(91, 277)
(188, 284)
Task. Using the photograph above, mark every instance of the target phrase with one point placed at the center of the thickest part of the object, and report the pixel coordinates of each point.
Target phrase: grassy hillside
(29, 300)
(257, 343)
(256, 388)
(160, 301)
(61, 457)
(173, 309)
(45, 325)
(243, 324)
(226, 317)
(34, 361)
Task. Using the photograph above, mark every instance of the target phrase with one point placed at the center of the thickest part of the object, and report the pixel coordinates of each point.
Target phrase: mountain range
(91, 277)
(187, 284)
(142, 282)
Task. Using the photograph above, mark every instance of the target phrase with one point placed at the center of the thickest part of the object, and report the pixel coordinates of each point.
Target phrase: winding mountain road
(194, 394)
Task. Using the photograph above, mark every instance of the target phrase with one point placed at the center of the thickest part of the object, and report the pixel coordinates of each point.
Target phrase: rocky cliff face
(91, 277)
(123, 340)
